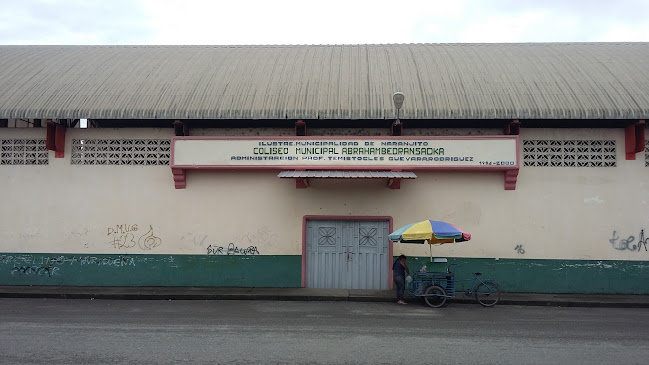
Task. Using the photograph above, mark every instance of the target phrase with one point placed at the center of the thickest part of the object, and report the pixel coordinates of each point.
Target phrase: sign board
(500, 152)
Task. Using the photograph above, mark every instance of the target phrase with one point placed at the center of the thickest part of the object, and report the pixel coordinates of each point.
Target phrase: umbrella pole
(430, 248)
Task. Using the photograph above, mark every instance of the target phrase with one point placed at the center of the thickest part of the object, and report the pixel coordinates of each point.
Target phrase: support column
(180, 178)
(55, 138)
(396, 128)
(181, 128)
(513, 128)
(301, 183)
(634, 139)
(511, 176)
(60, 141)
(300, 128)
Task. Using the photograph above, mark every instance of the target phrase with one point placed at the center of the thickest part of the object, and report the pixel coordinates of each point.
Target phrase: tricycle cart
(435, 287)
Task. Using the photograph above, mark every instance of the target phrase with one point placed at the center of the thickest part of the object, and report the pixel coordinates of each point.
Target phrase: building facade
(288, 166)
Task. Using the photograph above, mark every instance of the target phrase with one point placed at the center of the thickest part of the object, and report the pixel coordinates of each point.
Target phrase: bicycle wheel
(487, 293)
(435, 296)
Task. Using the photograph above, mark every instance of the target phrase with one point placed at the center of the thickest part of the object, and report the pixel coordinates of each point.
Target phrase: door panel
(347, 254)
(325, 257)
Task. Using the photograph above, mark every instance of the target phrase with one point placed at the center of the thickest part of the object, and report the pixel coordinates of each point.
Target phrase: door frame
(345, 218)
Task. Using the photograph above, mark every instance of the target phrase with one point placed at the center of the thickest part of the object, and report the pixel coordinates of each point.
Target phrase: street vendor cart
(434, 287)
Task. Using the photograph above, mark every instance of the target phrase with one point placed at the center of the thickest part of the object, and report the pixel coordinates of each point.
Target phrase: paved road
(48, 331)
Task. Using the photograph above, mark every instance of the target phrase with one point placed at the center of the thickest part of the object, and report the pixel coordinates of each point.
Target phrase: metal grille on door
(347, 254)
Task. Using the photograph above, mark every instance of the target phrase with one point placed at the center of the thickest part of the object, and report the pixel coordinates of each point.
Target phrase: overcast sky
(241, 22)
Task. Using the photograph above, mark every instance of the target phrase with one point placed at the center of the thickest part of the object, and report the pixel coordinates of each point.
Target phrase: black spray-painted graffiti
(519, 249)
(123, 236)
(627, 244)
(148, 241)
(231, 250)
(35, 270)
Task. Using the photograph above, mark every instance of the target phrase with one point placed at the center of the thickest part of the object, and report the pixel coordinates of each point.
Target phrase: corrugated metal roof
(345, 174)
(440, 81)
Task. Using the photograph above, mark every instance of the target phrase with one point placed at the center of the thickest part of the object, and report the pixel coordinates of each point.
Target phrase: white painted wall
(561, 213)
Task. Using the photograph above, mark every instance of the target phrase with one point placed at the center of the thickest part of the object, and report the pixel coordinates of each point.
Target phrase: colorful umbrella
(433, 232)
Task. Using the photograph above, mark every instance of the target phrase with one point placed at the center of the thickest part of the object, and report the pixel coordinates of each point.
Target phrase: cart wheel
(435, 296)
(487, 293)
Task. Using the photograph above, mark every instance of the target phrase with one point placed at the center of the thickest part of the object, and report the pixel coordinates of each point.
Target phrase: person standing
(399, 270)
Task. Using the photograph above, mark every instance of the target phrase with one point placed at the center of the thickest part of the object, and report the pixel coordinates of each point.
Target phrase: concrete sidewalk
(305, 294)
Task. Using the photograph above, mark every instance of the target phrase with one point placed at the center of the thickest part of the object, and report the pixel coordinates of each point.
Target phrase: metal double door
(347, 254)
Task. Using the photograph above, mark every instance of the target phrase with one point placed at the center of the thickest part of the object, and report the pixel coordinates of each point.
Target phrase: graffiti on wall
(519, 249)
(51, 266)
(128, 236)
(260, 235)
(195, 239)
(252, 238)
(629, 243)
(232, 250)
(79, 235)
(29, 234)
(247, 244)
(35, 270)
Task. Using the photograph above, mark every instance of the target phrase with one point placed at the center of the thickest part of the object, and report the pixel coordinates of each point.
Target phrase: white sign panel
(378, 152)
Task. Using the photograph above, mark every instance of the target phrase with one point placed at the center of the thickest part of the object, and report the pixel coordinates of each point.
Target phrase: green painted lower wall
(150, 270)
(514, 275)
(550, 276)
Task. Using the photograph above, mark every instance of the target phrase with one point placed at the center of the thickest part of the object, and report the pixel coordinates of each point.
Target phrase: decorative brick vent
(121, 151)
(570, 153)
(23, 152)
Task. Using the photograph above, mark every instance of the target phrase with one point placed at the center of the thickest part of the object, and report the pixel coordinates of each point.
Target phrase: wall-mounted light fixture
(397, 98)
